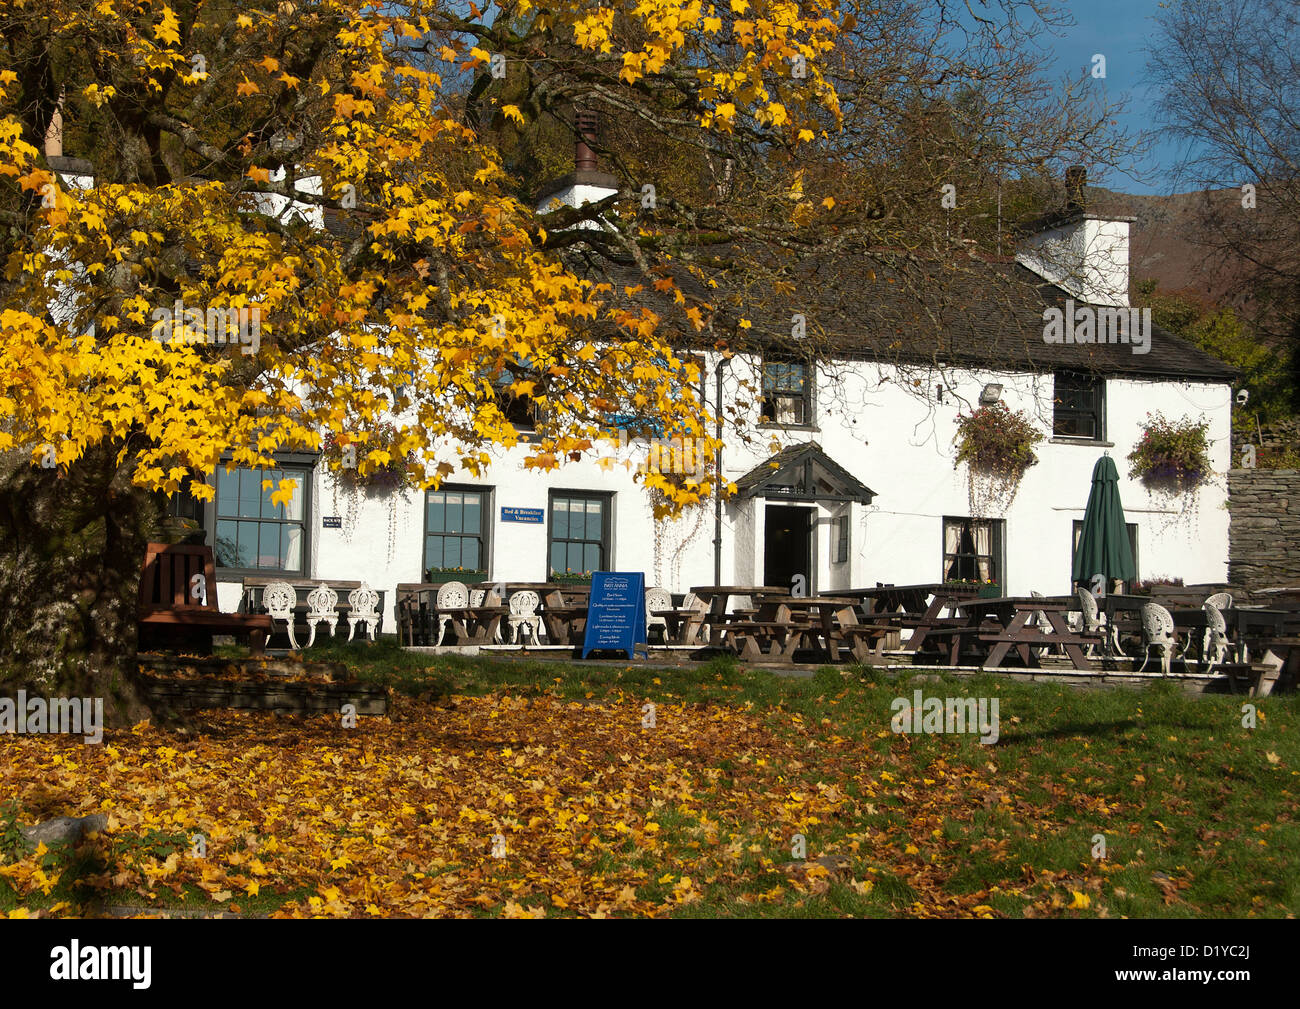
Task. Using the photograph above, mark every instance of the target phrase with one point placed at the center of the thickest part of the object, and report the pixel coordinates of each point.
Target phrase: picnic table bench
(1009, 629)
(178, 602)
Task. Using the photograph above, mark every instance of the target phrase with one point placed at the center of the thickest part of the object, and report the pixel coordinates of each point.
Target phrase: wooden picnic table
(683, 625)
(565, 621)
(475, 624)
(944, 597)
(910, 599)
(717, 596)
(1013, 613)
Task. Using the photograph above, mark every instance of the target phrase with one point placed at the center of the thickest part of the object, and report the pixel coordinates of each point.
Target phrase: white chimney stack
(1086, 254)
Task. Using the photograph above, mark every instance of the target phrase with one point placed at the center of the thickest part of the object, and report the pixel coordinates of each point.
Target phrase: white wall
(897, 444)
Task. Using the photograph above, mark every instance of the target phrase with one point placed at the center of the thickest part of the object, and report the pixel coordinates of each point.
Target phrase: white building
(864, 489)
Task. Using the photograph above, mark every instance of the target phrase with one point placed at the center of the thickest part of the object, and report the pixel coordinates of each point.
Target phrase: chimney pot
(584, 125)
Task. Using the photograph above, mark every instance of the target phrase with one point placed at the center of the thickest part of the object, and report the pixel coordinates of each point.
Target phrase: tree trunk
(71, 547)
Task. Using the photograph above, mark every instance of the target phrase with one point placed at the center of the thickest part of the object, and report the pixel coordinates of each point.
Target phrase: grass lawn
(530, 788)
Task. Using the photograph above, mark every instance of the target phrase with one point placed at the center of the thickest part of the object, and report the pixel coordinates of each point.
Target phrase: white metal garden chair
(280, 599)
(1158, 633)
(363, 608)
(523, 614)
(322, 608)
(1220, 601)
(452, 596)
(1214, 647)
(1094, 622)
(657, 599)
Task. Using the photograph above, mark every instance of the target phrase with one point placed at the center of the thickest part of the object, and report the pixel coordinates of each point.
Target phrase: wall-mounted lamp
(1242, 396)
(938, 393)
(990, 394)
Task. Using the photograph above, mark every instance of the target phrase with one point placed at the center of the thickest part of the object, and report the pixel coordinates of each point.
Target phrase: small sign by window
(532, 515)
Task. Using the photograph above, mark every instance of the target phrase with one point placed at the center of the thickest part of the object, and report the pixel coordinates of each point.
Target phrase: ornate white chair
(657, 599)
(280, 598)
(1214, 647)
(322, 608)
(1158, 633)
(1094, 621)
(453, 595)
(1220, 601)
(363, 608)
(523, 613)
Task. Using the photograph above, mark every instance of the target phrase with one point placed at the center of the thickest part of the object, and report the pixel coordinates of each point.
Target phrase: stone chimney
(1084, 253)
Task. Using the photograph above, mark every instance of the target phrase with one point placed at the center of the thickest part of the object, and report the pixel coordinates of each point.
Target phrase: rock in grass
(64, 829)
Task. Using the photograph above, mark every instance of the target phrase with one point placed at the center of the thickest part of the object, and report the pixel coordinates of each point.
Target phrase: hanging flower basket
(997, 441)
(1172, 456)
(394, 474)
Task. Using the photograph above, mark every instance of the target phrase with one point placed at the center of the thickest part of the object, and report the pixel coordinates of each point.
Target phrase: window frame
(767, 411)
(487, 504)
(1092, 385)
(606, 526)
(304, 468)
(997, 559)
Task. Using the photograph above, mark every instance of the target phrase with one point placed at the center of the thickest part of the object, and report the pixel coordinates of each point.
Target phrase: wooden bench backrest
(168, 570)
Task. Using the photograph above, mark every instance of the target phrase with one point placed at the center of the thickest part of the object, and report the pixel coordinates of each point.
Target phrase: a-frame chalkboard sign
(616, 614)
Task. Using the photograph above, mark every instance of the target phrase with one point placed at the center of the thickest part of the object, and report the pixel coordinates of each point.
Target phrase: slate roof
(978, 313)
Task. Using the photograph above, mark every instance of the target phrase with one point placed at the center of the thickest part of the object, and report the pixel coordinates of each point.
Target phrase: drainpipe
(717, 489)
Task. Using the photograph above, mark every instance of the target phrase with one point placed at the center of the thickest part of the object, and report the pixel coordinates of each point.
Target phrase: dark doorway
(787, 547)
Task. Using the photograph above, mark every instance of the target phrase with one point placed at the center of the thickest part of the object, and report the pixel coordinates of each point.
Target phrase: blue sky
(1120, 30)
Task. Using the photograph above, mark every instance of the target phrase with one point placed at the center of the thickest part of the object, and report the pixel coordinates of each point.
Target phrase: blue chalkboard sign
(616, 614)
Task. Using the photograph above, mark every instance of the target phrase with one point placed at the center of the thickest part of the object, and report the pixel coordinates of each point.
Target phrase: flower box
(470, 576)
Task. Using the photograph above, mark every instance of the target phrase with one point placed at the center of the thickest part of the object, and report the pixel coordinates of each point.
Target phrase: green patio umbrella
(1103, 543)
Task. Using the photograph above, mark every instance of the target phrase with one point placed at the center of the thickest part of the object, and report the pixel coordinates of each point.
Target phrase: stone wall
(1264, 535)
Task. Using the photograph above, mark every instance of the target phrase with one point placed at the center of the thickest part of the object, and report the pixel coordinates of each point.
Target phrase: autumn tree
(360, 175)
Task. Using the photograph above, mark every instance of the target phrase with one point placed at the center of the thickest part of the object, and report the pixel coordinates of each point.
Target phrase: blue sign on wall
(533, 515)
(616, 614)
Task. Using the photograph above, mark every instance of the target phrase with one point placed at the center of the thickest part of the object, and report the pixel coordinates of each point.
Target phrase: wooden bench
(178, 602)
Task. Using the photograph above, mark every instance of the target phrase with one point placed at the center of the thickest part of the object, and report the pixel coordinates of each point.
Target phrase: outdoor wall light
(990, 394)
(1242, 396)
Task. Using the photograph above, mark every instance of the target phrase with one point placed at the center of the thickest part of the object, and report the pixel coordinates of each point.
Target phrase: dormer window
(787, 393)
(518, 408)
